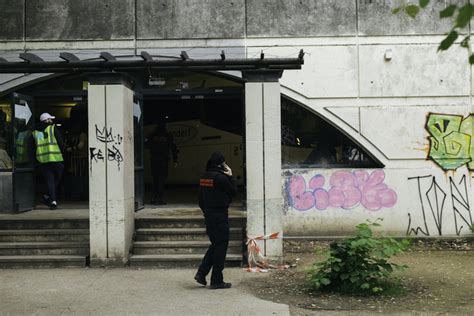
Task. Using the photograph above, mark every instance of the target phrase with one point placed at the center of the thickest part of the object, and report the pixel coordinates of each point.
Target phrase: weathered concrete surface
(407, 137)
(273, 18)
(125, 292)
(328, 71)
(85, 19)
(412, 201)
(190, 19)
(376, 18)
(11, 17)
(413, 70)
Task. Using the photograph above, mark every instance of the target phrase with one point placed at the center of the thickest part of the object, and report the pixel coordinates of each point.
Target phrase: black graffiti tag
(106, 135)
(434, 208)
(114, 154)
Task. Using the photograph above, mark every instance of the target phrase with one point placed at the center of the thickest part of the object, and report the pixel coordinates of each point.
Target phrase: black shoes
(53, 205)
(222, 285)
(200, 279)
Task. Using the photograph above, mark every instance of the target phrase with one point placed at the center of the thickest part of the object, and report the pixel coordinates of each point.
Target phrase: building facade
(375, 77)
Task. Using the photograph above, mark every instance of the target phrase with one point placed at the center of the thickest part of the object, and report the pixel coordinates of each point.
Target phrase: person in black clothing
(161, 144)
(216, 189)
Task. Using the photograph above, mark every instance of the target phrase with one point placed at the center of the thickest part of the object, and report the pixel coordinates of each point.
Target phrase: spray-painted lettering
(451, 140)
(346, 190)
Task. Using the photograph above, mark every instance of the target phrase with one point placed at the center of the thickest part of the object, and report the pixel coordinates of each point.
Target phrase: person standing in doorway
(217, 187)
(161, 145)
(49, 146)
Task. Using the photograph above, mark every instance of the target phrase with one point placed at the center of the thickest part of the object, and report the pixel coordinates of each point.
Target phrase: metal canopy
(107, 62)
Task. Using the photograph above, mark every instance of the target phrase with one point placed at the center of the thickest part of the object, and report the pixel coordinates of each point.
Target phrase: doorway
(200, 113)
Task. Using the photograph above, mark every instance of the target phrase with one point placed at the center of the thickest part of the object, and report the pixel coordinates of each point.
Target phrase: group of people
(217, 187)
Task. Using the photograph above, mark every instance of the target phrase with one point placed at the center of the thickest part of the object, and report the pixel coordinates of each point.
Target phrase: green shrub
(358, 264)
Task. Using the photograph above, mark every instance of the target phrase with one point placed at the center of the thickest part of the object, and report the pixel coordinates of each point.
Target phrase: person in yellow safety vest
(49, 147)
(22, 143)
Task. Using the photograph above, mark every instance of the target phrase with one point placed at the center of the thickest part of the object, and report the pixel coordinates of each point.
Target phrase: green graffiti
(451, 140)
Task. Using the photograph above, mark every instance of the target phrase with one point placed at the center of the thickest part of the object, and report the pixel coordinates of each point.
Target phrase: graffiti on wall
(434, 206)
(106, 136)
(346, 190)
(451, 140)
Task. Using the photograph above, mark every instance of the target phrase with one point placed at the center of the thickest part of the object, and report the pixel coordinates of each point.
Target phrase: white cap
(46, 116)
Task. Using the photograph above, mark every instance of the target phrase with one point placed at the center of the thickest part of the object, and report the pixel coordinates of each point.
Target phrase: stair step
(180, 222)
(182, 234)
(44, 261)
(177, 260)
(43, 248)
(180, 247)
(43, 235)
(20, 224)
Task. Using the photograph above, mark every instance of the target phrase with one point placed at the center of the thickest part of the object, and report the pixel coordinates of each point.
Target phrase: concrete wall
(411, 201)
(374, 75)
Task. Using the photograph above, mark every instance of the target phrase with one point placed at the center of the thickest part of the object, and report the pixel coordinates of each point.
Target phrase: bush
(358, 264)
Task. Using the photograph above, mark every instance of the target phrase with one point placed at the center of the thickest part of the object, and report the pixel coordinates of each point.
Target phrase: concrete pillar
(111, 170)
(263, 158)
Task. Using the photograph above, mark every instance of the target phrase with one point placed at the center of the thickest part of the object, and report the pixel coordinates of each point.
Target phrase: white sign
(137, 111)
(23, 112)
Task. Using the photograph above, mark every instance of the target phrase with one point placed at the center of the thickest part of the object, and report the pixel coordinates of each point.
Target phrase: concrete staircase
(180, 241)
(44, 243)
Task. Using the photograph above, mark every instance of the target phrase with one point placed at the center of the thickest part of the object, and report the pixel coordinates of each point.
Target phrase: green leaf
(396, 10)
(325, 281)
(449, 11)
(412, 10)
(465, 42)
(354, 279)
(377, 289)
(464, 16)
(424, 3)
(471, 59)
(365, 286)
(448, 41)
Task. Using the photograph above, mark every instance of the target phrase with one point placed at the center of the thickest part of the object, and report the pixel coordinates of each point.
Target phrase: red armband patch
(206, 182)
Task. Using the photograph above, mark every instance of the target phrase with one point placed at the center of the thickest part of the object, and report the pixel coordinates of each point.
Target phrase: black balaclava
(215, 160)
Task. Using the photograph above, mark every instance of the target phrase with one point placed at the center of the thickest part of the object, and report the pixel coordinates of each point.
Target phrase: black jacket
(216, 190)
(161, 145)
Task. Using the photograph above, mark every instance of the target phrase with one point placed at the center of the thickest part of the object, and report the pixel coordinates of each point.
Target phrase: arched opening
(309, 141)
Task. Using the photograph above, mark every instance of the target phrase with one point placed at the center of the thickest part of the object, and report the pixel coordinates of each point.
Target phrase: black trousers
(159, 171)
(217, 228)
(52, 172)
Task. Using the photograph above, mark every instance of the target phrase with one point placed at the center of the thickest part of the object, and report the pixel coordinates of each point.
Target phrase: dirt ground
(439, 280)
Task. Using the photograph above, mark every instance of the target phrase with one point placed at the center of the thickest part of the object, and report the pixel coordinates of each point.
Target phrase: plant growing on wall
(461, 15)
(359, 264)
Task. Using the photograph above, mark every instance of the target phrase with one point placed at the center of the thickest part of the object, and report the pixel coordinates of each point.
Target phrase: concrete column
(111, 170)
(263, 158)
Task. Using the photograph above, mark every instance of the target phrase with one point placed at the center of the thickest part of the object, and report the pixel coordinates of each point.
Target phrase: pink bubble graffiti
(347, 190)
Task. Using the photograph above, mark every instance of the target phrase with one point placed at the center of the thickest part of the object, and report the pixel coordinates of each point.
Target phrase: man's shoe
(222, 285)
(53, 205)
(200, 279)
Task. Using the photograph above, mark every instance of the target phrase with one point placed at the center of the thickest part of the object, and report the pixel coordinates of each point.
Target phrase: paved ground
(126, 291)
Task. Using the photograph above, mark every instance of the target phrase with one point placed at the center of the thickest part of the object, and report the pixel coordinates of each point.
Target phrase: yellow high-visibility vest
(47, 148)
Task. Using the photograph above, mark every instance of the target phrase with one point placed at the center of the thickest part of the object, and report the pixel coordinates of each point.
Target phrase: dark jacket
(161, 145)
(57, 134)
(216, 190)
